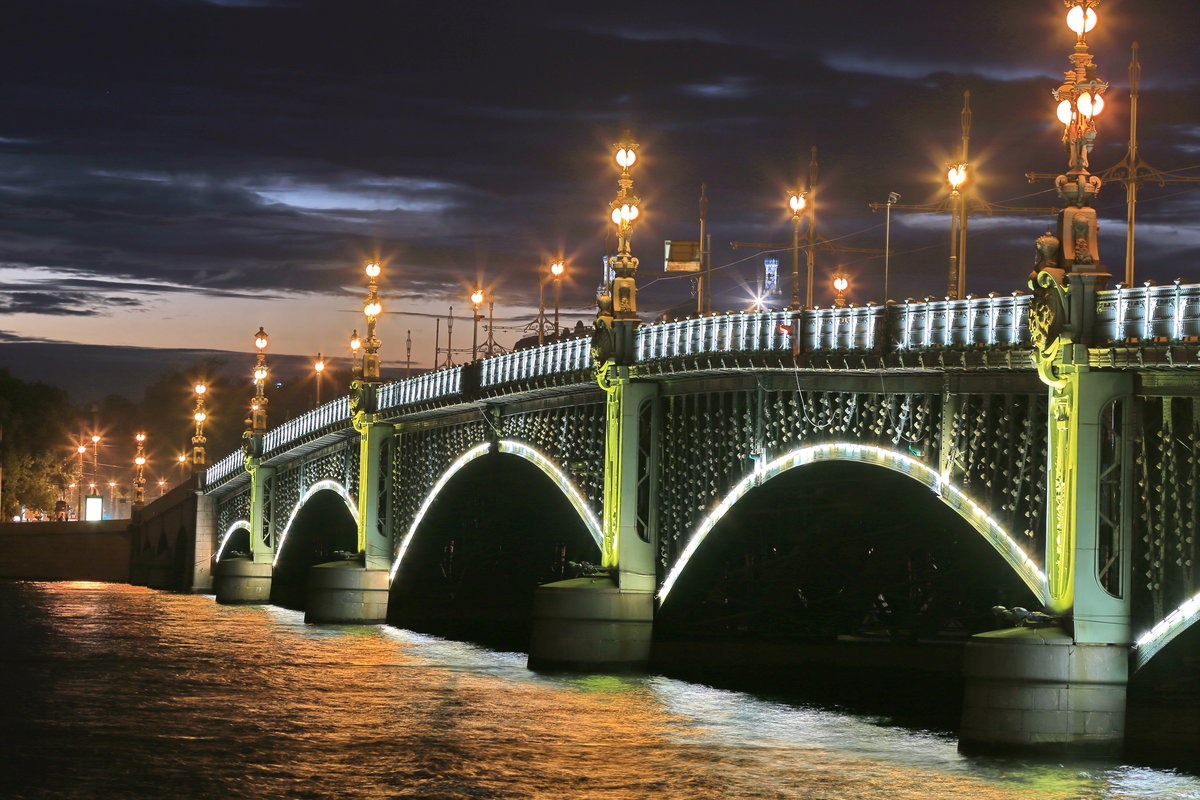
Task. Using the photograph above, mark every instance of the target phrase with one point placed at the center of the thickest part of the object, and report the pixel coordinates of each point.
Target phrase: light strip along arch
(514, 448)
(316, 487)
(1170, 626)
(949, 494)
(241, 524)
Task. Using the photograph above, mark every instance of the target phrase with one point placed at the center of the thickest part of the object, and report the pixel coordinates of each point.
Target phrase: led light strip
(1167, 629)
(951, 495)
(466, 458)
(316, 487)
(241, 524)
(561, 480)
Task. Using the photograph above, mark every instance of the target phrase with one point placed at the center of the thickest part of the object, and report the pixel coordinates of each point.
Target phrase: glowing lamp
(841, 283)
(373, 309)
(1090, 105)
(319, 366)
(477, 296)
(1065, 114)
(957, 176)
(797, 202)
(201, 388)
(182, 458)
(260, 339)
(95, 438)
(355, 342)
(373, 270)
(1081, 21)
(140, 461)
(260, 374)
(81, 449)
(200, 416)
(556, 269)
(625, 157)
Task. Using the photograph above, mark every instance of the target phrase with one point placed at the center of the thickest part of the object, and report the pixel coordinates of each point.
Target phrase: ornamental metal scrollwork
(1047, 322)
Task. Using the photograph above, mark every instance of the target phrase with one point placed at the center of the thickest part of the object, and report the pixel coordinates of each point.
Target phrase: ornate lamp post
(840, 284)
(617, 316)
(139, 481)
(956, 176)
(258, 407)
(476, 301)
(893, 198)
(319, 368)
(797, 202)
(556, 271)
(372, 308)
(198, 440)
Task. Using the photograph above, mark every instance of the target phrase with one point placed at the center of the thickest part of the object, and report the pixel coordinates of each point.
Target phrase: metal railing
(423, 388)
(571, 355)
(1149, 313)
(333, 414)
(229, 465)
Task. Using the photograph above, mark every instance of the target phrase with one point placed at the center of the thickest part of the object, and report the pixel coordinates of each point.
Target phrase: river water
(113, 691)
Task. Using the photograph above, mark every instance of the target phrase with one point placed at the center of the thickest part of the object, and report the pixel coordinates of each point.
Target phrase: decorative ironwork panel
(998, 456)
(419, 459)
(1166, 441)
(288, 489)
(571, 437)
(232, 508)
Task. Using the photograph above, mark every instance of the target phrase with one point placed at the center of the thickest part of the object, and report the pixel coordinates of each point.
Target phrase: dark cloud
(233, 146)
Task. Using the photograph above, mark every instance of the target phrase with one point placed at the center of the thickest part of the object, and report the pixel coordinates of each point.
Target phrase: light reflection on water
(120, 692)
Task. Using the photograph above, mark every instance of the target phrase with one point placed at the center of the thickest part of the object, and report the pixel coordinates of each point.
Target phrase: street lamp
(956, 176)
(95, 456)
(198, 440)
(372, 308)
(893, 198)
(619, 299)
(1080, 100)
(797, 202)
(556, 270)
(840, 284)
(476, 300)
(319, 368)
(161, 487)
(82, 451)
(258, 406)
(139, 482)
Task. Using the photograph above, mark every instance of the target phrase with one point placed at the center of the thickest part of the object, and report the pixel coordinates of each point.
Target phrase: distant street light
(840, 284)
(355, 359)
(797, 202)
(139, 481)
(476, 301)
(893, 198)
(556, 270)
(319, 368)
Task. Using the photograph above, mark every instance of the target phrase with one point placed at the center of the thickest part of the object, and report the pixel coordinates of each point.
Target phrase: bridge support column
(1062, 689)
(247, 581)
(356, 591)
(605, 622)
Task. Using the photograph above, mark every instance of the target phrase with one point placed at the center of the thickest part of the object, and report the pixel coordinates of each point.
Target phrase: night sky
(175, 173)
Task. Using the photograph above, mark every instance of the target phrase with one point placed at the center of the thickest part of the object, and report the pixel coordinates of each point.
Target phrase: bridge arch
(319, 486)
(511, 447)
(227, 537)
(948, 493)
(1167, 630)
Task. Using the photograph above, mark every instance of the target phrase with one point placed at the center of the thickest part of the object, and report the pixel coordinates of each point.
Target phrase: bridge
(1062, 427)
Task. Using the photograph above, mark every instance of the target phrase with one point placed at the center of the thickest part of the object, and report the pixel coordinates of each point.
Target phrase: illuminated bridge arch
(312, 490)
(949, 494)
(572, 493)
(240, 525)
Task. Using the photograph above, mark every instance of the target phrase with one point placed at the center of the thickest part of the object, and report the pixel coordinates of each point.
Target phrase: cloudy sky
(175, 173)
